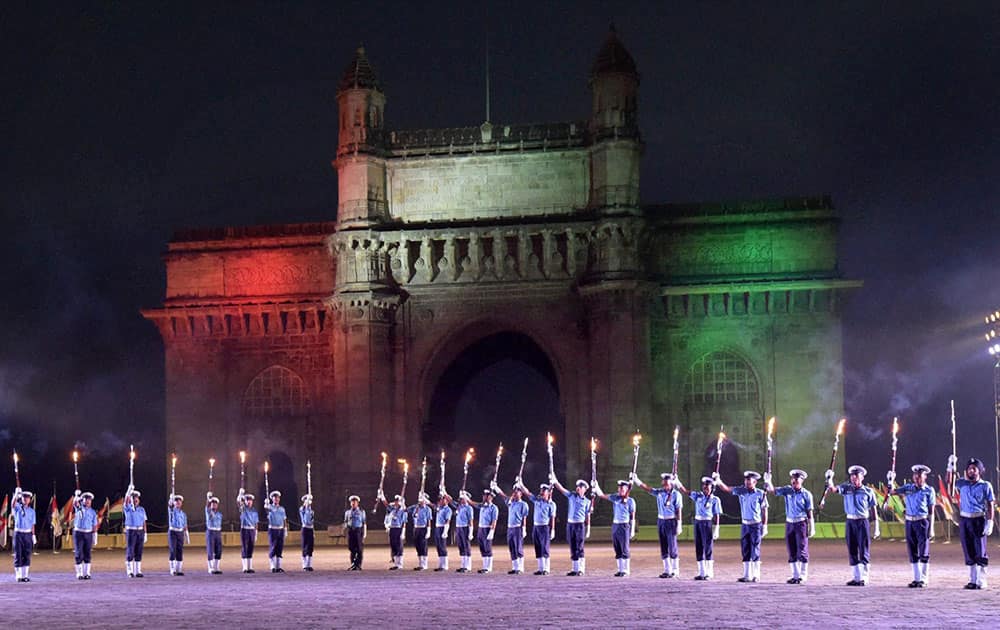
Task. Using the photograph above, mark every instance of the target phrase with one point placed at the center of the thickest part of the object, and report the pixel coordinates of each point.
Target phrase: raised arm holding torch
(524, 456)
(890, 477)
(833, 461)
(496, 467)
(381, 483)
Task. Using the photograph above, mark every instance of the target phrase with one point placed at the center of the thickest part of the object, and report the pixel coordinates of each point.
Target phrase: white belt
(545, 524)
(307, 527)
(703, 518)
(23, 531)
(215, 529)
(176, 529)
(751, 522)
(621, 522)
(83, 531)
(134, 529)
(276, 527)
(972, 514)
(796, 520)
(252, 528)
(854, 517)
(576, 522)
(668, 518)
(916, 518)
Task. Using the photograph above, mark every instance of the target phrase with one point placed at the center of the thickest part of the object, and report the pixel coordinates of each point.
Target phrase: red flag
(67, 512)
(56, 523)
(4, 512)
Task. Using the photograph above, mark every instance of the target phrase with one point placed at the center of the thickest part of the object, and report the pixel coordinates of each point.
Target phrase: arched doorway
(501, 388)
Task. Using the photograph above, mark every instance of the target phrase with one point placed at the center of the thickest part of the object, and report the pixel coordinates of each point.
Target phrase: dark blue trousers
(620, 539)
(703, 540)
(213, 545)
(515, 543)
(395, 541)
(276, 542)
(440, 542)
(485, 545)
(576, 533)
(858, 541)
(667, 529)
(797, 540)
(462, 540)
(918, 540)
(309, 541)
(134, 544)
(22, 549)
(247, 541)
(175, 541)
(83, 543)
(540, 537)
(970, 530)
(420, 540)
(356, 545)
(750, 536)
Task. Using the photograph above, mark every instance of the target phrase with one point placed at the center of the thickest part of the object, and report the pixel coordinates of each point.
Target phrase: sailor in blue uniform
(489, 514)
(517, 522)
(464, 521)
(356, 528)
(396, 518)
(976, 504)
(135, 532)
(668, 509)
(623, 524)
(753, 514)
(442, 523)
(707, 512)
(577, 522)
(860, 505)
(277, 529)
(23, 516)
(248, 528)
(213, 533)
(919, 501)
(84, 532)
(544, 524)
(800, 524)
(423, 518)
(177, 533)
(307, 517)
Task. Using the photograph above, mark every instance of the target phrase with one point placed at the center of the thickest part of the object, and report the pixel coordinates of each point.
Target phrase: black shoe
(250, 571)
(619, 574)
(86, 577)
(139, 575)
(854, 583)
(216, 572)
(180, 573)
(392, 568)
(573, 573)
(246, 570)
(29, 579)
(545, 572)
(439, 569)
(538, 573)
(278, 570)
(921, 584)
(913, 584)
(971, 586)
(308, 569)
(461, 570)
(481, 571)
(665, 575)
(742, 579)
(418, 569)
(700, 578)
(79, 577)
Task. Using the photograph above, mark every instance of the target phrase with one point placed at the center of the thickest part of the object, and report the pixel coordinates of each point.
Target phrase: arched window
(277, 391)
(720, 377)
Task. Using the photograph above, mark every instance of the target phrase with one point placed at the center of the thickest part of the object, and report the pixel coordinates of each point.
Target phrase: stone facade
(325, 341)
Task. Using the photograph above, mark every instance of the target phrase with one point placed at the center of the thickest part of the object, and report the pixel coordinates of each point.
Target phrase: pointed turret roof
(359, 74)
(613, 57)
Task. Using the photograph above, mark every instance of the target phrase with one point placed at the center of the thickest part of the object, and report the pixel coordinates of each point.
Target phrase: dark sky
(124, 121)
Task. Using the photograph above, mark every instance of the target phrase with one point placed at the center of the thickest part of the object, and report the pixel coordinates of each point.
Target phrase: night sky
(122, 122)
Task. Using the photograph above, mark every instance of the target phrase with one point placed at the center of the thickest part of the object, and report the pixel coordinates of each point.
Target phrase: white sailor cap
(399, 498)
(622, 482)
(136, 493)
(213, 499)
(542, 487)
(87, 495)
(423, 497)
(306, 497)
(707, 480)
(462, 494)
(488, 491)
(27, 493)
(797, 473)
(274, 493)
(751, 474)
(249, 497)
(857, 470)
(354, 497)
(580, 483)
(920, 468)
(178, 497)
(667, 476)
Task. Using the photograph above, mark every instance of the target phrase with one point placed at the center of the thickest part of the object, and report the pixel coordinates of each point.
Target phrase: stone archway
(501, 385)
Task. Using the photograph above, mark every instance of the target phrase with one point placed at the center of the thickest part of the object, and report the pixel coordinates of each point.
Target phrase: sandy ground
(332, 597)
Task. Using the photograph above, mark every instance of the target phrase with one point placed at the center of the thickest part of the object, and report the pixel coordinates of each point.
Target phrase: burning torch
(173, 473)
(892, 467)
(131, 465)
(465, 467)
(211, 473)
(718, 449)
(496, 467)
(76, 469)
(677, 448)
(309, 477)
(954, 449)
(635, 454)
(17, 473)
(423, 477)
(770, 444)
(267, 484)
(833, 457)
(549, 440)
(406, 474)
(243, 469)
(441, 488)
(524, 457)
(381, 482)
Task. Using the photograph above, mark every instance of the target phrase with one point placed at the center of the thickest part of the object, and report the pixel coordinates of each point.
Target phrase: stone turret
(614, 128)
(360, 160)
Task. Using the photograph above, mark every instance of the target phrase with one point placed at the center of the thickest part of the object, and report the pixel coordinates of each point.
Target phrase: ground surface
(331, 597)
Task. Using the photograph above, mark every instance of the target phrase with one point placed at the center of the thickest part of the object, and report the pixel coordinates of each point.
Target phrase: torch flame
(677, 431)
(211, 462)
(500, 450)
(635, 439)
(267, 466)
(243, 457)
(468, 455)
(131, 455)
(548, 436)
(15, 457)
(895, 426)
(770, 427)
(173, 459)
(593, 444)
(76, 457)
(840, 426)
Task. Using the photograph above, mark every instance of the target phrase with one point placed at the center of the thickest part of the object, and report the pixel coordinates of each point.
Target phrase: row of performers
(976, 505)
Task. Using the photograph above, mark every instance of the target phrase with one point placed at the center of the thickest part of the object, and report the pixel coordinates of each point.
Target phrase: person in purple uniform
(753, 513)
(577, 522)
(919, 501)
(517, 520)
(622, 524)
(668, 508)
(800, 524)
(860, 505)
(975, 504)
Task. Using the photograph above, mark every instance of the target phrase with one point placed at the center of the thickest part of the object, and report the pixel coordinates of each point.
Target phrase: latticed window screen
(277, 391)
(720, 377)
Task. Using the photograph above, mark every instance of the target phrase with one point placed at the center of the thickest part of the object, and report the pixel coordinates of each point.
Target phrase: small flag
(67, 513)
(4, 512)
(947, 508)
(117, 510)
(55, 518)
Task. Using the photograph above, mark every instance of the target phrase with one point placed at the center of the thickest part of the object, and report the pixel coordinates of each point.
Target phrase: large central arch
(499, 385)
